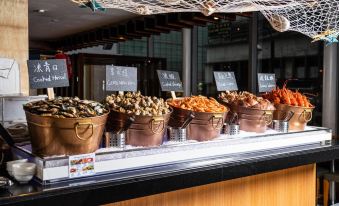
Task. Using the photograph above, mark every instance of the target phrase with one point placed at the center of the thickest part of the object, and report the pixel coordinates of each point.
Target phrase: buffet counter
(262, 177)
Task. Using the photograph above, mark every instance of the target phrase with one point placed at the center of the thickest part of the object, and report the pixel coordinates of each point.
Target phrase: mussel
(66, 107)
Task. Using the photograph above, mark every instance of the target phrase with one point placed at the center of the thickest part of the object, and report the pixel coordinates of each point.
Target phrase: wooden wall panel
(14, 35)
(295, 186)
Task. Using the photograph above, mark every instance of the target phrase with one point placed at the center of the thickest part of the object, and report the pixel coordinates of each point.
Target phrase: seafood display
(245, 99)
(288, 97)
(137, 104)
(143, 118)
(66, 107)
(209, 116)
(65, 126)
(254, 113)
(291, 102)
(198, 104)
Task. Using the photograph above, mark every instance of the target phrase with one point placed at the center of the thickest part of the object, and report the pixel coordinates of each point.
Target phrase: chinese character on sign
(164, 75)
(124, 73)
(55, 67)
(171, 76)
(261, 78)
(37, 68)
(46, 65)
(118, 71)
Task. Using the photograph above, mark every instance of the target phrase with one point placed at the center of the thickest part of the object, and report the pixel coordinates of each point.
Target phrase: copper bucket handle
(220, 119)
(268, 117)
(76, 130)
(155, 120)
(307, 115)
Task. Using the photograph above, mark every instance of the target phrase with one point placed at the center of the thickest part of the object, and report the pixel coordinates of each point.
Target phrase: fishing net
(317, 19)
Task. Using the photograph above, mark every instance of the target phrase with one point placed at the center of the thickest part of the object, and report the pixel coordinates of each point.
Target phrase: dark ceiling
(63, 18)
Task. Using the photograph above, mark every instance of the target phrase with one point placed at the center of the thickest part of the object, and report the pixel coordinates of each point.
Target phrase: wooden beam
(174, 20)
(150, 25)
(131, 30)
(114, 35)
(161, 22)
(140, 28)
(122, 31)
(246, 14)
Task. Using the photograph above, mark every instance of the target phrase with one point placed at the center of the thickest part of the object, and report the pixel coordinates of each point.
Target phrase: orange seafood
(287, 96)
(198, 104)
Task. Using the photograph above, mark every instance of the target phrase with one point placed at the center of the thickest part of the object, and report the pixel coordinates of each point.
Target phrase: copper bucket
(147, 130)
(69, 136)
(116, 121)
(254, 120)
(144, 131)
(298, 122)
(205, 126)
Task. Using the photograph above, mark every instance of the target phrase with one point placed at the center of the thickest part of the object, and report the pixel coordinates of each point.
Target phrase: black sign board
(170, 81)
(47, 73)
(225, 81)
(266, 82)
(119, 78)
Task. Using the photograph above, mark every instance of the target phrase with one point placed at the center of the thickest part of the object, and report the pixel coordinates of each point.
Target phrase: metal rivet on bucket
(280, 126)
(177, 134)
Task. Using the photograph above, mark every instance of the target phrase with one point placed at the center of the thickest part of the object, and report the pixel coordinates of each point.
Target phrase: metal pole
(194, 57)
(330, 99)
(150, 46)
(186, 60)
(330, 88)
(253, 54)
(332, 184)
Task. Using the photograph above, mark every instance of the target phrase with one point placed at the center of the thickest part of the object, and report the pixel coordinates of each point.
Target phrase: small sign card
(81, 165)
(170, 81)
(47, 73)
(119, 78)
(266, 82)
(225, 81)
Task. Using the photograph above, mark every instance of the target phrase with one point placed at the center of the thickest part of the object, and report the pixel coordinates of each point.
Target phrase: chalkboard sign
(225, 81)
(170, 81)
(266, 82)
(47, 73)
(119, 78)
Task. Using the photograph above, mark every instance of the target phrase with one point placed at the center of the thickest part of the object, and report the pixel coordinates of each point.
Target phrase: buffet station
(72, 139)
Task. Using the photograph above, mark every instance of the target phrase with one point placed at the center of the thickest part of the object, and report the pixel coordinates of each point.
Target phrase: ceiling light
(39, 11)
(215, 18)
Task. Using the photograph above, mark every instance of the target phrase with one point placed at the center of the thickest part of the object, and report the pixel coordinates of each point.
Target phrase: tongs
(234, 117)
(289, 116)
(128, 124)
(6, 136)
(187, 121)
(5, 182)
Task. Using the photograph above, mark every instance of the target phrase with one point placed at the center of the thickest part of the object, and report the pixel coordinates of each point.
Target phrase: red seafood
(287, 96)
